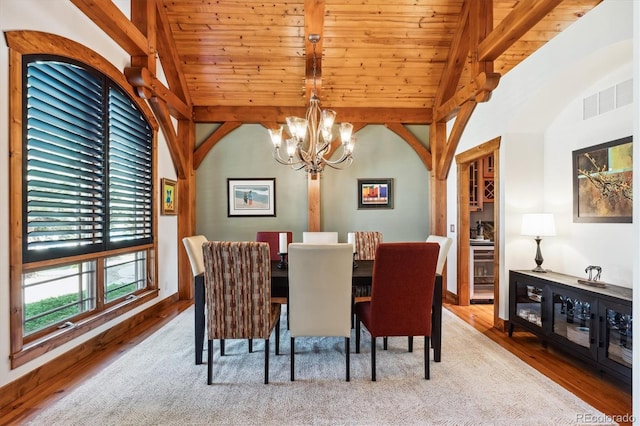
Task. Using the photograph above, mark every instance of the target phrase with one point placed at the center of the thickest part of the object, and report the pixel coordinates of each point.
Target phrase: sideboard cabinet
(590, 322)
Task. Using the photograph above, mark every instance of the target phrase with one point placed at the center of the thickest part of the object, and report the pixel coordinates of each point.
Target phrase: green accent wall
(379, 153)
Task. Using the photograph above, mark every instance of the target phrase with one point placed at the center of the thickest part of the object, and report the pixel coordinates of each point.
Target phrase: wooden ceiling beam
(203, 149)
(107, 16)
(169, 57)
(456, 59)
(480, 25)
(444, 163)
(143, 16)
(148, 86)
(161, 112)
(217, 114)
(478, 90)
(413, 142)
(521, 19)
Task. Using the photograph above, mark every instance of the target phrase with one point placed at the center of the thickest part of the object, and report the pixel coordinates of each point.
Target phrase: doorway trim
(463, 162)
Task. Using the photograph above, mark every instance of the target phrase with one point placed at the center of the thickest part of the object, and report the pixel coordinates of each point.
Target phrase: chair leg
(250, 345)
(357, 335)
(293, 351)
(266, 361)
(373, 359)
(278, 337)
(410, 343)
(210, 361)
(426, 357)
(221, 347)
(384, 343)
(347, 351)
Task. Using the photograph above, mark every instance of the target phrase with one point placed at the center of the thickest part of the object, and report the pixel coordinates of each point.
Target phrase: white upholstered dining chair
(320, 293)
(320, 237)
(193, 246)
(445, 244)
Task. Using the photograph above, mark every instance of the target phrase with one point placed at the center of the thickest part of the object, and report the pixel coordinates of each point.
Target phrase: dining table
(362, 277)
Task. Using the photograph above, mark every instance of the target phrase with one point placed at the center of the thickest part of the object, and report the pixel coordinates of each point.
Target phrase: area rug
(477, 383)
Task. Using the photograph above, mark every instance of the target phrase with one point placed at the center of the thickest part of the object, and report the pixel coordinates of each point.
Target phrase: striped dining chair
(237, 279)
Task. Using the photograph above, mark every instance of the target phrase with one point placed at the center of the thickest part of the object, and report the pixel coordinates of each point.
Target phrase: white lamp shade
(538, 224)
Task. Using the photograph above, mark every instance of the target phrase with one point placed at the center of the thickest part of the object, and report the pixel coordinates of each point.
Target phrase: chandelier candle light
(283, 243)
(538, 225)
(310, 155)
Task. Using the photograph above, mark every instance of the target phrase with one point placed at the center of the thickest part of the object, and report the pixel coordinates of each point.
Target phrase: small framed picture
(251, 197)
(169, 192)
(375, 193)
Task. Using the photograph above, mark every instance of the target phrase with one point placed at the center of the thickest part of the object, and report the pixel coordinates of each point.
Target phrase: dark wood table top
(362, 275)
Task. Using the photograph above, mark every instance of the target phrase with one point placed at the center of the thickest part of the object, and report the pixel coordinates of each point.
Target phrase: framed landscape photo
(602, 182)
(251, 197)
(169, 194)
(375, 193)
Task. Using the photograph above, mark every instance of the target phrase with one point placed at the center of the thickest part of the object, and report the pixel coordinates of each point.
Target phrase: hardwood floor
(606, 394)
(612, 398)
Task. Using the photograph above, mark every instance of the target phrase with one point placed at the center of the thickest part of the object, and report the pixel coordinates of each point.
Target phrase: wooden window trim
(28, 43)
(33, 350)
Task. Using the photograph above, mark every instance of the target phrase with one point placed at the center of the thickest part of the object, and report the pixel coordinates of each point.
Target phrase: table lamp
(538, 225)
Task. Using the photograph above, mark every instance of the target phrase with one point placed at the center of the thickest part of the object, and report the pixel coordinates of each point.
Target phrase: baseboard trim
(451, 298)
(10, 392)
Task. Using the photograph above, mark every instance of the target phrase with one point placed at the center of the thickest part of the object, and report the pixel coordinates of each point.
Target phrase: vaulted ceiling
(391, 62)
(377, 60)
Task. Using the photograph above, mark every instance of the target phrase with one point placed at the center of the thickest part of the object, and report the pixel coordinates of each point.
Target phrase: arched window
(86, 207)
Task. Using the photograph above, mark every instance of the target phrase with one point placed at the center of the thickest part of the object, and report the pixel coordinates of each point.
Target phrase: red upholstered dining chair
(273, 238)
(237, 279)
(401, 295)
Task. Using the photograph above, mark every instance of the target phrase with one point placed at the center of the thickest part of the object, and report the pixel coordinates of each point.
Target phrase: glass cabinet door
(617, 339)
(529, 303)
(573, 318)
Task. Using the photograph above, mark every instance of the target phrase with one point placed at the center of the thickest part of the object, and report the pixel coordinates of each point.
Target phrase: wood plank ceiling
(251, 61)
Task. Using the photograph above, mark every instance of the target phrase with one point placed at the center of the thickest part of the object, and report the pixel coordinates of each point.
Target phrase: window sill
(42, 346)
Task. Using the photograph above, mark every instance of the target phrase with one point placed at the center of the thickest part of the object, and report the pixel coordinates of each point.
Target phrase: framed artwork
(375, 193)
(251, 197)
(602, 182)
(169, 194)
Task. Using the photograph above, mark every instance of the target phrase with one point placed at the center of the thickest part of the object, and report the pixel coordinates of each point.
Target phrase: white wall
(62, 18)
(530, 106)
(577, 245)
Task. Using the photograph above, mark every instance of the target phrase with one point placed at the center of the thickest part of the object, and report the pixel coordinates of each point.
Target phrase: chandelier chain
(314, 68)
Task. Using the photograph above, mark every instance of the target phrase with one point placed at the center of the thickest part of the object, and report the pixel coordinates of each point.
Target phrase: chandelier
(311, 137)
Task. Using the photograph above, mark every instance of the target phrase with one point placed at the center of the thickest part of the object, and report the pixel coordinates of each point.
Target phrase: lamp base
(539, 259)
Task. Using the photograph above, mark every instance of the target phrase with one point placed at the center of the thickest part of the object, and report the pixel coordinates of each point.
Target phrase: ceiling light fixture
(308, 153)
